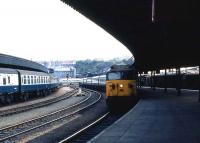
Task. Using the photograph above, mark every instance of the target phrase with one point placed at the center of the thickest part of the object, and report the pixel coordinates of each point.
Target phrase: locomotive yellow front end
(120, 85)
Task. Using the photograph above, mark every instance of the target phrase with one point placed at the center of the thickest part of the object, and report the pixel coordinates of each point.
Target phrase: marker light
(121, 85)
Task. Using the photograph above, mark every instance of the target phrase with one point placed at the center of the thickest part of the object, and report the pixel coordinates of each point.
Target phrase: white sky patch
(51, 30)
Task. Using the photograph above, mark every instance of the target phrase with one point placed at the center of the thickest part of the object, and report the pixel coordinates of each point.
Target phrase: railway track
(37, 105)
(10, 132)
(87, 133)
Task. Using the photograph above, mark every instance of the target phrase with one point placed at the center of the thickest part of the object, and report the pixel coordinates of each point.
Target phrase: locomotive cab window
(114, 76)
(122, 75)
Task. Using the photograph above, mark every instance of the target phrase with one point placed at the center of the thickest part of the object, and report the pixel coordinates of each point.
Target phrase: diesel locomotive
(121, 85)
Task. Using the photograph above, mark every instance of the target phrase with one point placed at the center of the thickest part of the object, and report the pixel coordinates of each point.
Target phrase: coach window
(24, 79)
(31, 79)
(40, 79)
(28, 79)
(8, 79)
(46, 80)
(35, 79)
(4, 81)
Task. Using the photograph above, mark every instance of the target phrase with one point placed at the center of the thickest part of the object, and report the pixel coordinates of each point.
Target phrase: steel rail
(67, 139)
(52, 121)
(37, 105)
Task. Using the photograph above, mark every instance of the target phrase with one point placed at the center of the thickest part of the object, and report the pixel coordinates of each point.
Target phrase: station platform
(158, 117)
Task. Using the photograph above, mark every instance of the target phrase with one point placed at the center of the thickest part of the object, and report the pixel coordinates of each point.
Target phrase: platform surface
(157, 118)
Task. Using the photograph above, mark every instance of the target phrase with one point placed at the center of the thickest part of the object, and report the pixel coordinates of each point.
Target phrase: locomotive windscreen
(123, 75)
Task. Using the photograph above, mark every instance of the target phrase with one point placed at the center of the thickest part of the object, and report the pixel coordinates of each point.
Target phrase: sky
(42, 30)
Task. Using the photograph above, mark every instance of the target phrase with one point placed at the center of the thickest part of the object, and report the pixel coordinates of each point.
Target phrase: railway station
(161, 35)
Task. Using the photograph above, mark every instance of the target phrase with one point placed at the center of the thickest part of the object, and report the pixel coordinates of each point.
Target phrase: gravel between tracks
(55, 94)
(15, 118)
(84, 118)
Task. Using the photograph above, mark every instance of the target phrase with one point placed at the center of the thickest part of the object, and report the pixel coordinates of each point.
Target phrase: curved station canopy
(19, 63)
(160, 34)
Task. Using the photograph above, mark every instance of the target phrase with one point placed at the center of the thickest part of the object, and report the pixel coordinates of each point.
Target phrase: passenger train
(21, 84)
(95, 80)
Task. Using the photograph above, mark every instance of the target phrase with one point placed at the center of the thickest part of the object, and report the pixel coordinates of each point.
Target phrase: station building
(62, 69)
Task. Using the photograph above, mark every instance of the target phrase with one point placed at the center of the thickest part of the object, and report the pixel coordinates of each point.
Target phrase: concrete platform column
(199, 84)
(151, 80)
(154, 72)
(140, 80)
(178, 78)
(165, 81)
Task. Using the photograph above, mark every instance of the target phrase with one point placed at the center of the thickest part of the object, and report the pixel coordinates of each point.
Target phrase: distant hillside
(85, 67)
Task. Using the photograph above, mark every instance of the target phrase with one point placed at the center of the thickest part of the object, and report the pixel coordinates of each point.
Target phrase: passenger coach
(22, 84)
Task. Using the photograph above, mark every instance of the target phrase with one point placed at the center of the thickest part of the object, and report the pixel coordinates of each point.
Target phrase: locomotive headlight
(120, 85)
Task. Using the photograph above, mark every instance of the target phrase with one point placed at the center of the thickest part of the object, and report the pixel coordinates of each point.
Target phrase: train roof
(33, 73)
(8, 70)
(121, 68)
